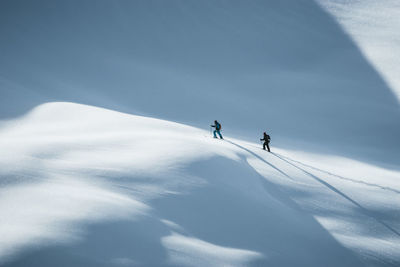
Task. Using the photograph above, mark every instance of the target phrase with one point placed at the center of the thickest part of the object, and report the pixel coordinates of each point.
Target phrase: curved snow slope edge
(279, 65)
(373, 25)
(86, 186)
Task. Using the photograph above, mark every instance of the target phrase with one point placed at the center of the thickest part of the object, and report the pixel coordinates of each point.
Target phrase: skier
(266, 141)
(217, 127)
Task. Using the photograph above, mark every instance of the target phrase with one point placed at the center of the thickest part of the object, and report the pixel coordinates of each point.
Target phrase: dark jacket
(266, 138)
(217, 126)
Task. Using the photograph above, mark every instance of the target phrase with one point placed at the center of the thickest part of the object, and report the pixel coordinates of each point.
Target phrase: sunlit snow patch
(48, 211)
(189, 251)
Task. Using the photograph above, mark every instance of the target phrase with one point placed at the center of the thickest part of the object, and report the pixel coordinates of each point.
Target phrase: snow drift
(85, 186)
(83, 182)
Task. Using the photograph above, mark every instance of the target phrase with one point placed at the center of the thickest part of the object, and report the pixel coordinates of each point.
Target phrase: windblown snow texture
(103, 156)
(85, 186)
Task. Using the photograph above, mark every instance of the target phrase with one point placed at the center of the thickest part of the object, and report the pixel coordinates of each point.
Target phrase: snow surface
(374, 25)
(86, 186)
(291, 66)
(84, 182)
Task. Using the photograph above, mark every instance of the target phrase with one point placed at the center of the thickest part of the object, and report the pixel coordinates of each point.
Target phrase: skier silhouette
(266, 140)
(217, 130)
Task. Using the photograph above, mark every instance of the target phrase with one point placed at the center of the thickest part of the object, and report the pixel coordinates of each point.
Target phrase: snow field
(162, 193)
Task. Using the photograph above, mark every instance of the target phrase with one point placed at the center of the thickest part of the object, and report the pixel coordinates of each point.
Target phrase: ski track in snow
(90, 187)
(65, 168)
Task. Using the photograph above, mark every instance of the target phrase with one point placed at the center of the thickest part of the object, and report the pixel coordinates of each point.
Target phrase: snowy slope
(374, 26)
(105, 157)
(86, 186)
(289, 64)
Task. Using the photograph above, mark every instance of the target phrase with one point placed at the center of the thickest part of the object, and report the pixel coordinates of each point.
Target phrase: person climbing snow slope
(266, 140)
(217, 130)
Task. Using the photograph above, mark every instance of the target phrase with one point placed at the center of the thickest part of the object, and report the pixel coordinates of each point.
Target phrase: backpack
(217, 126)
